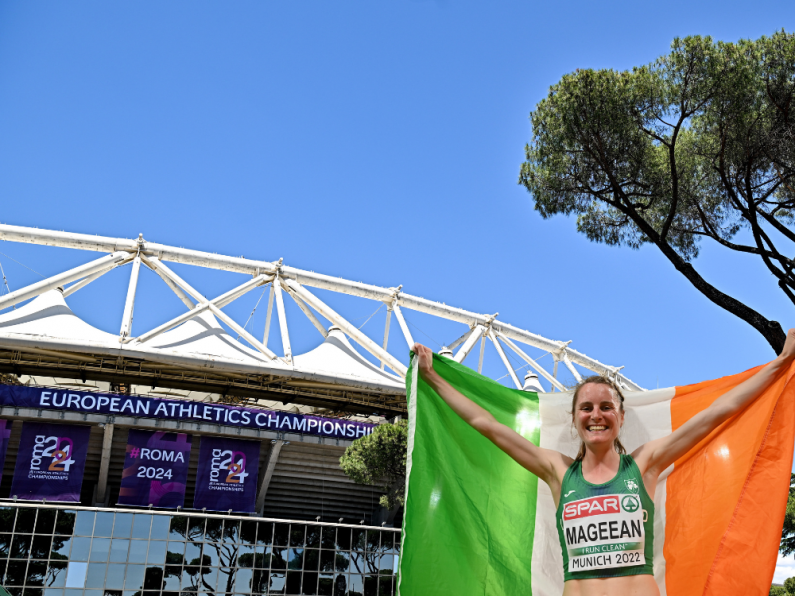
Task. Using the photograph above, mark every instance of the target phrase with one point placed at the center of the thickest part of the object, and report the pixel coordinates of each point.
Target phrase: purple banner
(21, 396)
(50, 462)
(155, 469)
(5, 434)
(227, 475)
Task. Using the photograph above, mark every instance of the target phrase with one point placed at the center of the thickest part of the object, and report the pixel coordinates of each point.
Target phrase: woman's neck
(601, 465)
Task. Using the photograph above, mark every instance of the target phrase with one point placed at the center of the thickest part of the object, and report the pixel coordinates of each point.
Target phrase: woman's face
(597, 415)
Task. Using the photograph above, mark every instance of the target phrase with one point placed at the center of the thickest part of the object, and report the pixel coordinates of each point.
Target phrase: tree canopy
(379, 459)
(699, 144)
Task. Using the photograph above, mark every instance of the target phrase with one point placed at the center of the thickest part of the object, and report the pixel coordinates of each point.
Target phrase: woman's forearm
(468, 410)
(749, 390)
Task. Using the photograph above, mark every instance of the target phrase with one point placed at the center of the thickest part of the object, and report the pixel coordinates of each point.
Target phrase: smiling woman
(603, 497)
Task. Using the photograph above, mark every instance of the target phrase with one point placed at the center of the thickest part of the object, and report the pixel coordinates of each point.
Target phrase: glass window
(341, 562)
(99, 550)
(80, 549)
(95, 578)
(231, 531)
(386, 540)
(311, 559)
(211, 556)
(297, 534)
(213, 531)
(385, 586)
(123, 525)
(195, 528)
(248, 532)
(309, 584)
(356, 564)
(279, 558)
(343, 539)
(65, 522)
(193, 553)
(178, 528)
(340, 584)
(175, 553)
(15, 573)
(281, 533)
(226, 579)
(355, 583)
(160, 527)
(53, 592)
(45, 521)
(5, 545)
(20, 548)
(327, 560)
(157, 552)
(262, 559)
(172, 577)
(141, 525)
(265, 533)
(153, 578)
(135, 577)
(84, 523)
(36, 572)
(293, 583)
(118, 550)
(385, 563)
(76, 575)
(370, 585)
(325, 584)
(115, 577)
(373, 541)
(104, 524)
(137, 551)
(243, 579)
(277, 583)
(209, 577)
(40, 548)
(295, 558)
(56, 574)
(313, 536)
(60, 547)
(358, 540)
(245, 556)
(328, 537)
(26, 519)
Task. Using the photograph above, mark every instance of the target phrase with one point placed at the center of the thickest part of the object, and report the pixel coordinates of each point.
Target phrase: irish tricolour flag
(476, 523)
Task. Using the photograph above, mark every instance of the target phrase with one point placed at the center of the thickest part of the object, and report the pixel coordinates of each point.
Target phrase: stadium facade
(193, 459)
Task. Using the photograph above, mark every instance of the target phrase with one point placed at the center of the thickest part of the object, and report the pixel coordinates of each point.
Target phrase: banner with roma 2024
(50, 462)
(227, 475)
(155, 469)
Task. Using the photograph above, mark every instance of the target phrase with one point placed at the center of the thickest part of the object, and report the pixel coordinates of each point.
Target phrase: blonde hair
(597, 380)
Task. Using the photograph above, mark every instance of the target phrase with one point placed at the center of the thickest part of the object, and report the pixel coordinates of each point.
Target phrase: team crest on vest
(631, 485)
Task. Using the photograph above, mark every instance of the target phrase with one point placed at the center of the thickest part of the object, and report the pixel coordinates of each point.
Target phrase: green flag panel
(469, 519)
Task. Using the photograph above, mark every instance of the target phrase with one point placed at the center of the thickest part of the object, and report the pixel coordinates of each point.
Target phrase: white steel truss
(282, 280)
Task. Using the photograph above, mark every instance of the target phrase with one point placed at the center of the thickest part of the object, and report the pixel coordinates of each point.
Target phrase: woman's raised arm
(656, 456)
(544, 463)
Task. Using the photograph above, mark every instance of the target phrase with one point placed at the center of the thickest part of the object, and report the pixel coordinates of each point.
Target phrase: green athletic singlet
(606, 530)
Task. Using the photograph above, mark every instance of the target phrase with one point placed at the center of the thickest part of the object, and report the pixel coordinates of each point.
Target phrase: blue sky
(378, 141)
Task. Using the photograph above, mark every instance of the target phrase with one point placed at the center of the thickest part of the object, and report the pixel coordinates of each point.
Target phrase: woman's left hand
(788, 351)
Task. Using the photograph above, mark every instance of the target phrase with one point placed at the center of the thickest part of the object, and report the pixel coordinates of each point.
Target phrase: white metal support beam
(504, 359)
(104, 464)
(270, 466)
(471, 339)
(386, 331)
(571, 368)
(285, 333)
(308, 312)
(88, 279)
(55, 281)
(268, 315)
(482, 349)
(346, 327)
(155, 265)
(129, 303)
(532, 363)
(402, 322)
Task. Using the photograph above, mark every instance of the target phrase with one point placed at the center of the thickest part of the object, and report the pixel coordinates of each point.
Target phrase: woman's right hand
(424, 359)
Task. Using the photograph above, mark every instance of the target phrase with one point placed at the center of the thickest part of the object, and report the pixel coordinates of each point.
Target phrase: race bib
(603, 532)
